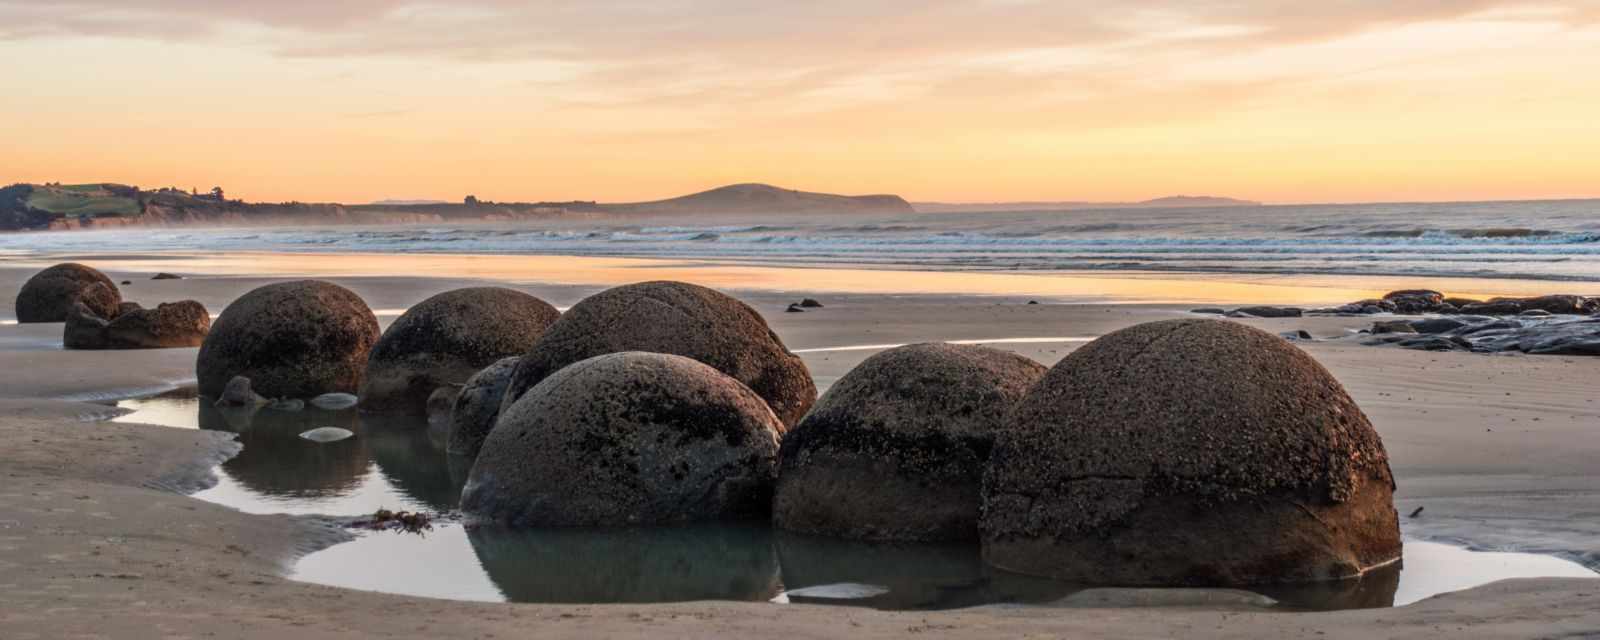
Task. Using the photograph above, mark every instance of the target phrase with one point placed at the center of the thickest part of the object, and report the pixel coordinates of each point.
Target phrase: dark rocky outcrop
(811, 303)
(895, 450)
(1189, 452)
(166, 276)
(444, 340)
(49, 295)
(1423, 301)
(1544, 334)
(170, 325)
(627, 439)
(477, 407)
(680, 319)
(294, 339)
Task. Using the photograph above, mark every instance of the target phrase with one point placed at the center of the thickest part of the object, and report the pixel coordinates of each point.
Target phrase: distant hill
(762, 198)
(1158, 203)
(55, 206)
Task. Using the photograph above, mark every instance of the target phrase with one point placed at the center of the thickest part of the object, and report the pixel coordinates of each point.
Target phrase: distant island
(1158, 203)
(104, 205)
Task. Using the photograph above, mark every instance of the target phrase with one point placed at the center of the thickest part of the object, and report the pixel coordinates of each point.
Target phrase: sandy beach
(99, 539)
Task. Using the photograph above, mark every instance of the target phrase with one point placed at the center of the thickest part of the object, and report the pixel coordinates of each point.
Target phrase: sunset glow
(960, 100)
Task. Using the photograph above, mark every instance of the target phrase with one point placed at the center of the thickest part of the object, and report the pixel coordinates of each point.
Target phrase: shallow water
(400, 464)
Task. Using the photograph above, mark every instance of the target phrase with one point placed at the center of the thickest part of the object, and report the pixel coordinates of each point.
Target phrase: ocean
(1537, 240)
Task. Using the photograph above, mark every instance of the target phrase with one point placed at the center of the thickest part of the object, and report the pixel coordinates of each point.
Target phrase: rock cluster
(627, 439)
(1536, 335)
(896, 448)
(444, 340)
(1423, 301)
(680, 319)
(292, 340)
(1189, 452)
(50, 295)
(169, 325)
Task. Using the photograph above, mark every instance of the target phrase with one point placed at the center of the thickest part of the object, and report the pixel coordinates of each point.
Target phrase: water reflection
(276, 461)
(401, 463)
(658, 564)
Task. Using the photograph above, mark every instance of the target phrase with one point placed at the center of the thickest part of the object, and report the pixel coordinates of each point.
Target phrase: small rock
(166, 276)
(440, 402)
(811, 303)
(1392, 326)
(127, 282)
(239, 394)
(794, 308)
(1267, 312)
(324, 435)
(334, 401)
(1437, 325)
(287, 404)
(1033, 302)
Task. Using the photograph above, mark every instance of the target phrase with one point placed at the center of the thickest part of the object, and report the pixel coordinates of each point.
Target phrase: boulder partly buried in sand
(170, 325)
(896, 449)
(478, 406)
(680, 319)
(49, 295)
(627, 439)
(445, 339)
(1189, 452)
(292, 340)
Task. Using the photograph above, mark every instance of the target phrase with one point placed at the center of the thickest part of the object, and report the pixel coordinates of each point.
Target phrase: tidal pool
(400, 464)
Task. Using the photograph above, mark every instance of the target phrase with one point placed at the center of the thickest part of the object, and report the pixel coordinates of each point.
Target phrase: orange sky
(953, 100)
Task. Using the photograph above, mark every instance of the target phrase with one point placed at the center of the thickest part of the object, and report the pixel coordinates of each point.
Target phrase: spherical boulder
(680, 319)
(1189, 452)
(477, 407)
(294, 339)
(444, 340)
(627, 439)
(896, 449)
(50, 294)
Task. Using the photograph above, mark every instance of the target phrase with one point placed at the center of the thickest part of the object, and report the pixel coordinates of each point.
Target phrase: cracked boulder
(1193, 453)
(627, 439)
(895, 450)
(679, 319)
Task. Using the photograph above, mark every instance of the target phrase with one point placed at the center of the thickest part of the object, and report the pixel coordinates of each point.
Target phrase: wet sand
(96, 536)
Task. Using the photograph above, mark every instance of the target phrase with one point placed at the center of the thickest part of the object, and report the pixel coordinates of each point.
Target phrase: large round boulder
(296, 339)
(49, 295)
(1189, 452)
(680, 319)
(477, 407)
(445, 339)
(626, 439)
(896, 449)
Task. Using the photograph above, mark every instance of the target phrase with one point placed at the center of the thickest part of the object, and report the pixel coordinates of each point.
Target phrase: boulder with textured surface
(1189, 452)
(627, 439)
(477, 407)
(49, 295)
(293, 339)
(680, 319)
(444, 340)
(169, 325)
(895, 450)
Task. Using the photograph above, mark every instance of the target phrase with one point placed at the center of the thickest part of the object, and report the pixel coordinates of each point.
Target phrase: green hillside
(93, 200)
